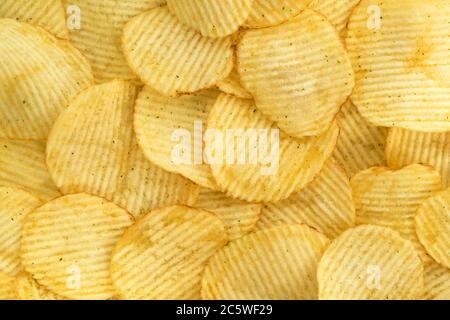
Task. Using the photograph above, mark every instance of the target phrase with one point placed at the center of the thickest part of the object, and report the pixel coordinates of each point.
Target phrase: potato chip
(370, 263)
(360, 145)
(39, 75)
(163, 255)
(67, 245)
(15, 204)
(436, 280)
(232, 85)
(173, 58)
(26, 288)
(277, 263)
(406, 147)
(170, 132)
(299, 73)
(401, 57)
(23, 166)
(337, 12)
(238, 216)
(48, 14)
(326, 204)
(105, 160)
(433, 226)
(212, 18)
(6, 287)
(252, 161)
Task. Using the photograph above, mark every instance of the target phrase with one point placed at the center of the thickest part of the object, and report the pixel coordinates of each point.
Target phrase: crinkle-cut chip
(26, 288)
(400, 52)
(406, 147)
(100, 32)
(238, 216)
(326, 204)
(360, 145)
(164, 254)
(170, 132)
(15, 204)
(391, 198)
(277, 263)
(92, 149)
(48, 14)
(337, 12)
(433, 227)
(6, 287)
(173, 58)
(436, 280)
(38, 77)
(254, 161)
(212, 18)
(266, 13)
(232, 85)
(67, 245)
(370, 263)
(22, 164)
(299, 73)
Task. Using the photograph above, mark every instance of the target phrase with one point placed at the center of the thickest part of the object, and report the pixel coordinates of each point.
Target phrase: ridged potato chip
(277, 263)
(326, 204)
(6, 287)
(258, 163)
(163, 255)
(67, 245)
(26, 288)
(360, 145)
(232, 85)
(39, 75)
(436, 280)
(105, 160)
(173, 58)
(370, 263)
(401, 57)
(299, 73)
(337, 12)
(212, 18)
(266, 13)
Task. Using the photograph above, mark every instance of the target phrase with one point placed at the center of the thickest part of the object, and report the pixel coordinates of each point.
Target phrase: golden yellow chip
(401, 57)
(326, 204)
(252, 160)
(299, 73)
(232, 85)
(67, 245)
(238, 216)
(163, 255)
(277, 263)
(406, 147)
(433, 227)
(48, 14)
(39, 75)
(436, 280)
(26, 288)
(170, 132)
(6, 287)
(370, 263)
(105, 160)
(212, 18)
(360, 145)
(23, 166)
(173, 58)
(336, 11)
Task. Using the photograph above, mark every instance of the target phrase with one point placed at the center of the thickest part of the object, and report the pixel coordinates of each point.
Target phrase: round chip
(252, 160)
(232, 85)
(370, 263)
(298, 72)
(400, 52)
(39, 75)
(67, 245)
(26, 288)
(6, 287)
(173, 58)
(326, 204)
(337, 12)
(273, 264)
(436, 280)
(163, 255)
(212, 18)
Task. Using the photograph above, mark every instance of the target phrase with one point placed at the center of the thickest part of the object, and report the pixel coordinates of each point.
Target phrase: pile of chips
(224, 149)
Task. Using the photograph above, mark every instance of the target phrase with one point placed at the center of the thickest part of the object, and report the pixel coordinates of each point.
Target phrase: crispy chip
(436, 280)
(232, 85)
(298, 72)
(266, 13)
(172, 58)
(400, 52)
(337, 12)
(370, 263)
(106, 160)
(164, 254)
(360, 145)
(326, 204)
(277, 263)
(67, 245)
(39, 75)
(272, 166)
(26, 288)
(6, 287)
(212, 18)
